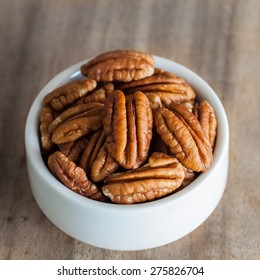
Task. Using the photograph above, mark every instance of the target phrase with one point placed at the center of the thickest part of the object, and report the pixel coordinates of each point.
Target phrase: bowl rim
(33, 152)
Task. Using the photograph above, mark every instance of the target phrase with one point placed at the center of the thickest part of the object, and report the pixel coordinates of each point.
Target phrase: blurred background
(218, 39)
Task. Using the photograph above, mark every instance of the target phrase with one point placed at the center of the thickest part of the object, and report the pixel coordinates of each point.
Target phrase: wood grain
(217, 39)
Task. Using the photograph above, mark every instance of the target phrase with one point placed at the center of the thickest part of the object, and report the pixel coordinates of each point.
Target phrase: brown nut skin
(81, 110)
(182, 132)
(71, 175)
(94, 144)
(119, 65)
(167, 86)
(145, 183)
(158, 159)
(46, 117)
(103, 165)
(139, 191)
(206, 116)
(128, 126)
(95, 159)
(69, 93)
(76, 122)
(73, 129)
(159, 77)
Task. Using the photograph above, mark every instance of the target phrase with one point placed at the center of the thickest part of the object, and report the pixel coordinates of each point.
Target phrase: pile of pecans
(126, 132)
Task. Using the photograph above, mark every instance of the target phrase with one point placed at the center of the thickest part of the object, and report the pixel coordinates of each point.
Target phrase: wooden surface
(220, 40)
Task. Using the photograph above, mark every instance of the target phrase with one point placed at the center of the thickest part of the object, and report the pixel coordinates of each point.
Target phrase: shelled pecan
(72, 130)
(183, 133)
(94, 144)
(206, 116)
(75, 112)
(47, 115)
(119, 65)
(145, 183)
(166, 85)
(76, 122)
(128, 126)
(69, 93)
(160, 159)
(95, 159)
(103, 165)
(72, 176)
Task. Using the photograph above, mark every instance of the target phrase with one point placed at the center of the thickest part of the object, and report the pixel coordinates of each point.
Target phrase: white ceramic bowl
(129, 227)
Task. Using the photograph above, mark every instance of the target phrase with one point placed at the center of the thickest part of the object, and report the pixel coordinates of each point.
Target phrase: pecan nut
(119, 65)
(145, 183)
(91, 150)
(103, 165)
(183, 133)
(160, 159)
(71, 175)
(128, 126)
(167, 86)
(46, 117)
(69, 93)
(95, 159)
(206, 116)
(78, 111)
(72, 130)
(76, 122)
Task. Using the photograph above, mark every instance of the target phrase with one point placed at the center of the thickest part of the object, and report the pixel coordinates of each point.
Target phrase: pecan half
(95, 159)
(183, 133)
(91, 150)
(73, 129)
(167, 86)
(46, 117)
(158, 159)
(69, 93)
(103, 165)
(159, 77)
(71, 175)
(119, 65)
(206, 116)
(145, 183)
(128, 126)
(78, 111)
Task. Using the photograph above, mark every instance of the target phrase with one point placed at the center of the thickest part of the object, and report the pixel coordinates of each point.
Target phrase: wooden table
(220, 40)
